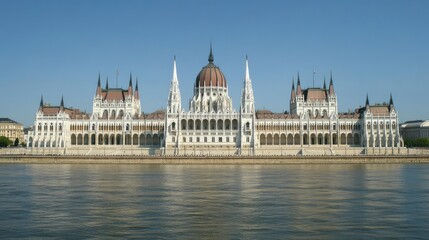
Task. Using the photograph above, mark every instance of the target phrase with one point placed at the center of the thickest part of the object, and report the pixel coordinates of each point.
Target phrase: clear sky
(58, 48)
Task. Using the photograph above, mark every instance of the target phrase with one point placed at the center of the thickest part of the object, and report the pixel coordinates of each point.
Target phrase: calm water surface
(214, 202)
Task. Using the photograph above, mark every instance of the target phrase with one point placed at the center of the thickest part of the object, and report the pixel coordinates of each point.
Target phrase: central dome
(210, 75)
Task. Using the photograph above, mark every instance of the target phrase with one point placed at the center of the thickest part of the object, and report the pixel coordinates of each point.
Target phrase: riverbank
(214, 160)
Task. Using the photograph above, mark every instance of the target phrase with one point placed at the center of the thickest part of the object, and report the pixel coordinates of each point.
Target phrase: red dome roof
(210, 75)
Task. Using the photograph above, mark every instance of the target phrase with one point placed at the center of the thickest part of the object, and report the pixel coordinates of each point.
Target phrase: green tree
(419, 142)
(4, 141)
(16, 143)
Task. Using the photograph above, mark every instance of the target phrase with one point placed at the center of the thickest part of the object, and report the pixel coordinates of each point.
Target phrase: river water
(103, 201)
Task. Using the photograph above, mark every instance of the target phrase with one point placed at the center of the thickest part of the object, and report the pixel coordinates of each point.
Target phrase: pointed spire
(62, 102)
(41, 102)
(175, 79)
(130, 85)
(136, 92)
(107, 83)
(211, 58)
(331, 86)
(98, 91)
(298, 86)
(324, 83)
(174, 99)
(247, 97)
(292, 93)
(391, 105)
(367, 100)
(247, 77)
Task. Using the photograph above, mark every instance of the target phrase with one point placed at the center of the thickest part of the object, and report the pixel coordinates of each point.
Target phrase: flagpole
(117, 74)
(314, 72)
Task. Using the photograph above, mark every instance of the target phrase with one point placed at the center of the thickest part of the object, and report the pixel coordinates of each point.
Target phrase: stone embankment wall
(213, 160)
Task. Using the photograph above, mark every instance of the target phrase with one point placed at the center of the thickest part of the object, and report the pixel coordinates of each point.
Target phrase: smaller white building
(412, 130)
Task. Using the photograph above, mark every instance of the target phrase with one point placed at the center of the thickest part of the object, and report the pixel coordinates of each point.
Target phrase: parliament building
(211, 126)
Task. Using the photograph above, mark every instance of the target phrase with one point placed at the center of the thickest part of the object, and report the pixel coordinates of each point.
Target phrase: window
(220, 139)
(247, 139)
(205, 139)
(198, 139)
(227, 139)
(184, 139)
(213, 139)
(173, 139)
(190, 139)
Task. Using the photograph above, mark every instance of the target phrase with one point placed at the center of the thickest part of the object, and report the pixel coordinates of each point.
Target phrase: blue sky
(57, 48)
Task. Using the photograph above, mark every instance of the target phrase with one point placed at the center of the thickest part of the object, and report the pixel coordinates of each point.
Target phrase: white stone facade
(212, 126)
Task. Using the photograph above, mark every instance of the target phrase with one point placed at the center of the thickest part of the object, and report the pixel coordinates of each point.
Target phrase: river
(323, 201)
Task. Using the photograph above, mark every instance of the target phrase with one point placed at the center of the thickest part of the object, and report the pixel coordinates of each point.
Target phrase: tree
(16, 142)
(4, 141)
(419, 142)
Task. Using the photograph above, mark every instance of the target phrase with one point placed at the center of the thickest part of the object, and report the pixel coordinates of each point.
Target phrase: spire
(298, 86)
(174, 70)
(98, 91)
(107, 83)
(324, 83)
(211, 59)
(41, 102)
(136, 92)
(367, 100)
(247, 77)
(247, 98)
(391, 105)
(292, 93)
(130, 85)
(331, 86)
(62, 102)
(174, 99)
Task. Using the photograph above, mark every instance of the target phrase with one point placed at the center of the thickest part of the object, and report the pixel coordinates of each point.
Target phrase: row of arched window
(116, 127)
(51, 127)
(305, 126)
(205, 124)
(45, 143)
(113, 114)
(312, 139)
(380, 126)
(117, 139)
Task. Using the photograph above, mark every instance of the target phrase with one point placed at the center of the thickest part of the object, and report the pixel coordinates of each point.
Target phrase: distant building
(212, 126)
(413, 130)
(11, 129)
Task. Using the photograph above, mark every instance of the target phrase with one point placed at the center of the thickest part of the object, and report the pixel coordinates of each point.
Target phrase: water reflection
(155, 201)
